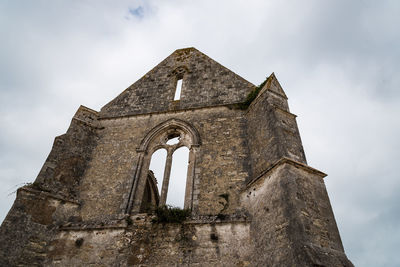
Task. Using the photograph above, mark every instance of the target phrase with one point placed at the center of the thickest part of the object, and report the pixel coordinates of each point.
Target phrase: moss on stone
(251, 96)
(170, 214)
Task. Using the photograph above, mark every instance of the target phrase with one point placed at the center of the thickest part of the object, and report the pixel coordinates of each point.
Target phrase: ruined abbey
(248, 199)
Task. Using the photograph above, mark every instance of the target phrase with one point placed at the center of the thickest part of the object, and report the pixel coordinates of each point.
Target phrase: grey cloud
(337, 60)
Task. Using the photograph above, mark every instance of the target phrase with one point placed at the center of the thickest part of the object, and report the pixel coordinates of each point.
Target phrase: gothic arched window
(175, 185)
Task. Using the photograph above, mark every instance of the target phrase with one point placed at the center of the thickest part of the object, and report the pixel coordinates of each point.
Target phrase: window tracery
(171, 136)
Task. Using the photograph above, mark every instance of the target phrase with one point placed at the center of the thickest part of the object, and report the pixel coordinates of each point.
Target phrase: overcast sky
(338, 62)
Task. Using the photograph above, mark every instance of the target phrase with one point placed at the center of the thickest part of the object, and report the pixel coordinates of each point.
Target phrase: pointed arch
(155, 139)
(168, 125)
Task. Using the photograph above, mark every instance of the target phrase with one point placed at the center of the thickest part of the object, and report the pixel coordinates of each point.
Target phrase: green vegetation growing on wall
(251, 96)
(169, 214)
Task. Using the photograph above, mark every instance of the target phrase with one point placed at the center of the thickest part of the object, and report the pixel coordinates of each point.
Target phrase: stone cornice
(289, 161)
(170, 111)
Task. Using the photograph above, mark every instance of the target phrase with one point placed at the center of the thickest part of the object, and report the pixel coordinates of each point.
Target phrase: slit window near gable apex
(178, 89)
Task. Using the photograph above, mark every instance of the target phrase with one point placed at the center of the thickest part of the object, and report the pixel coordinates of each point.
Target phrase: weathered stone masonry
(253, 199)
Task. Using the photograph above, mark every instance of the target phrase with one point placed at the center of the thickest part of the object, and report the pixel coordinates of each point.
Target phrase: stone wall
(282, 204)
(272, 129)
(71, 152)
(221, 165)
(143, 243)
(30, 225)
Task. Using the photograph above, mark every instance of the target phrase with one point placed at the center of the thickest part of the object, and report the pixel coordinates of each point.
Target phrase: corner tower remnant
(252, 198)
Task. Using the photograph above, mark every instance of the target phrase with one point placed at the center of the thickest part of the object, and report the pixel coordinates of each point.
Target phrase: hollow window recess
(178, 90)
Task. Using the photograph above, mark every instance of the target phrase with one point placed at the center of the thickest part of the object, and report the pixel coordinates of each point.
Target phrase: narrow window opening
(157, 166)
(178, 90)
(177, 182)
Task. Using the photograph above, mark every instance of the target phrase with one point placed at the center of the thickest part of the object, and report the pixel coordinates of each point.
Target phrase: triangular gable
(205, 83)
(272, 84)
